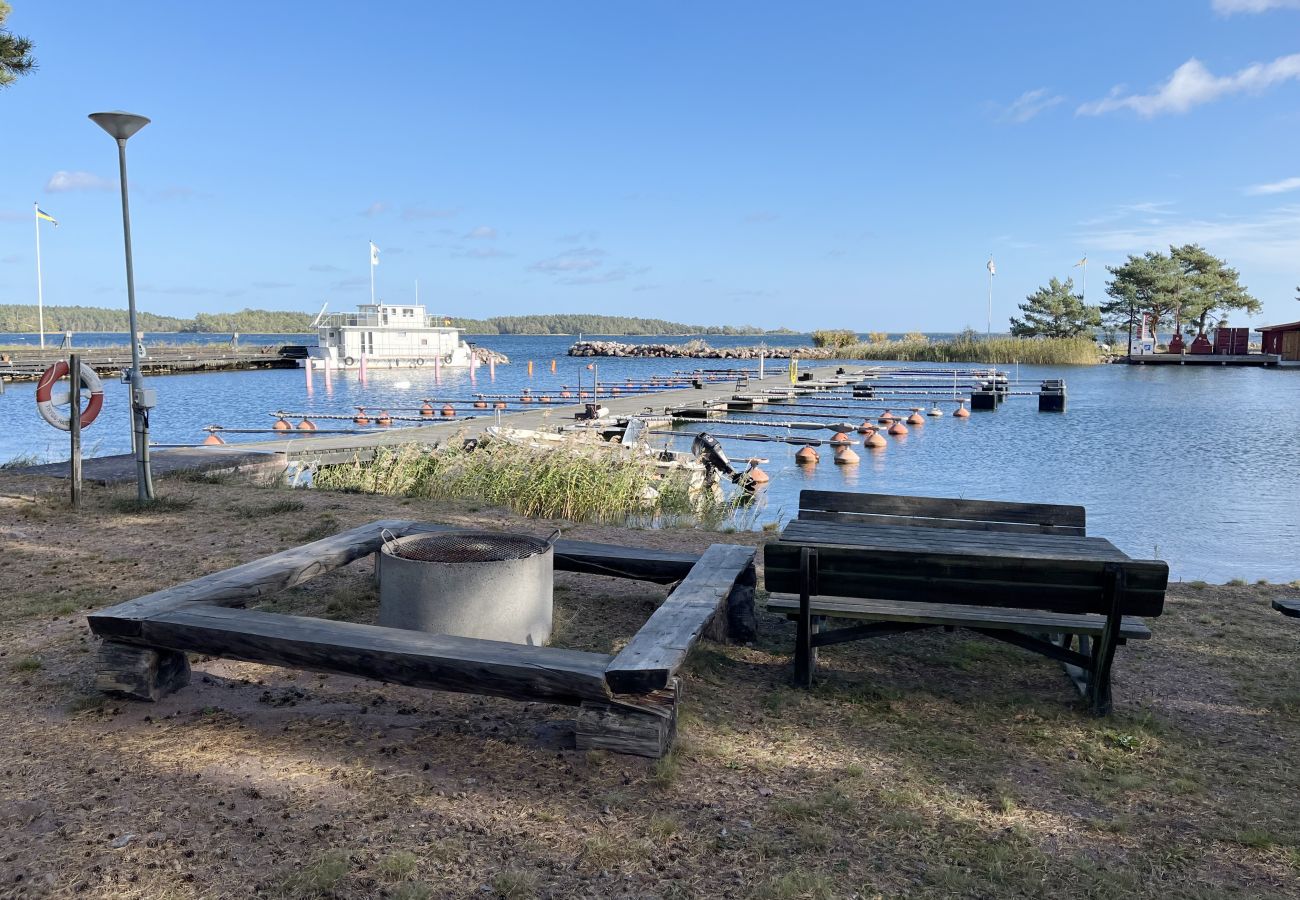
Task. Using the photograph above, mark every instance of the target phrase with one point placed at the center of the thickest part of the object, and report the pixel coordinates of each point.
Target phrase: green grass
(973, 348)
(318, 879)
(27, 664)
(514, 885)
(398, 866)
(584, 485)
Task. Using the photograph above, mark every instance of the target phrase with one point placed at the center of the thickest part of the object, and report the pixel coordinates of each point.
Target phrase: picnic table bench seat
(1288, 606)
(1025, 574)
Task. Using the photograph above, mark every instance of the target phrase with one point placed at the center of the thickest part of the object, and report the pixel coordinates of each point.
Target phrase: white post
(989, 331)
(40, 298)
(1085, 279)
(372, 275)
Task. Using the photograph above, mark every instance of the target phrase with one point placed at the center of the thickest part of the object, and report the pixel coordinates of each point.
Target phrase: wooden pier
(27, 365)
(1204, 359)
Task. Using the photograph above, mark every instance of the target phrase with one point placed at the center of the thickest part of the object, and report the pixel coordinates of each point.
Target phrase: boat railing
(374, 320)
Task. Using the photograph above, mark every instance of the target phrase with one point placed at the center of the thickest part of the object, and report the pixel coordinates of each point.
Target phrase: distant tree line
(23, 318)
(582, 323)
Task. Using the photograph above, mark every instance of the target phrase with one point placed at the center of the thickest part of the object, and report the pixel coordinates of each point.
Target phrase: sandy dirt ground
(928, 765)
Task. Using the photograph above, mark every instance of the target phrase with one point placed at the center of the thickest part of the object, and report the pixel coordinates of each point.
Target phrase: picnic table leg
(1103, 652)
(805, 654)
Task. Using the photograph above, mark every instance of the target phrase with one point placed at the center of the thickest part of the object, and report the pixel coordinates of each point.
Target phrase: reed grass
(583, 487)
(972, 348)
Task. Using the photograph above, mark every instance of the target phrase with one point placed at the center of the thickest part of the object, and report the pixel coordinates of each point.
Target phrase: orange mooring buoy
(844, 456)
(500, 404)
(962, 412)
(886, 417)
(282, 425)
(383, 418)
(212, 439)
(840, 440)
(757, 476)
(448, 411)
(480, 404)
(360, 417)
(524, 398)
(865, 428)
(306, 425)
(566, 393)
(543, 399)
(898, 428)
(806, 456)
(427, 410)
(915, 418)
(875, 441)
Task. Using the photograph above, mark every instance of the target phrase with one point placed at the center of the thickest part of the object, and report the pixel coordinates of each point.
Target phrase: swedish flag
(42, 214)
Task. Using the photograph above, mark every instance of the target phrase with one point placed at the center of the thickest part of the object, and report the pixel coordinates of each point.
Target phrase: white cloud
(1277, 187)
(580, 259)
(1270, 240)
(1228, 7)
(1193, 84)
(1028, 105)
(63, 181)
(481, 253)
(482, 233)
(377, 208)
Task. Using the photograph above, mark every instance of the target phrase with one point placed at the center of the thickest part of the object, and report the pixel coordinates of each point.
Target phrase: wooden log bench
(1026, 575)
(1288, 606)
(627, 703)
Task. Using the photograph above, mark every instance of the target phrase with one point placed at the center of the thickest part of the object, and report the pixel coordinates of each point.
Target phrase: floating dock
(27, 365)
(1203, 359)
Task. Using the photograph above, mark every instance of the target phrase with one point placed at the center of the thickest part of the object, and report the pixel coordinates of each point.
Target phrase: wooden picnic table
(901, 564)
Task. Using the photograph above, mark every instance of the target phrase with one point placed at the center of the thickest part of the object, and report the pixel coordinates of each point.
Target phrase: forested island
(22, 318)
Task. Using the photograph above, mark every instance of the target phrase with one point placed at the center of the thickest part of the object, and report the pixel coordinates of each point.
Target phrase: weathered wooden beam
(141, 673)
(239, 585)
(400, 656)
(657, 651)
(642, 725)
(742, 612)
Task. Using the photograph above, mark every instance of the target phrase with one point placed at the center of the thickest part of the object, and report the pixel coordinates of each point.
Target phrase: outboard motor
(709, 451)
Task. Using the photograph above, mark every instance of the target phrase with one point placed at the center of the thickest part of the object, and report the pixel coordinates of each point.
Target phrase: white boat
(388, 336)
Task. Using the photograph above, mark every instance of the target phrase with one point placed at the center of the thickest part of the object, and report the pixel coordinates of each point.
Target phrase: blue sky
(807, 165)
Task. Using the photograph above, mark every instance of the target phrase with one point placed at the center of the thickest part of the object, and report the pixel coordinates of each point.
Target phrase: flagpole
(1085, 279)
(372, 273)
(40, 296)
(989, 332)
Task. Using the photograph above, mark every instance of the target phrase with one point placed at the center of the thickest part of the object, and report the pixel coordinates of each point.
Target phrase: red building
(1284, 340)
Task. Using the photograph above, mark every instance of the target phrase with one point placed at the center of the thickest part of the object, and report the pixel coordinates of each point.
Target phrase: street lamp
(120, 126)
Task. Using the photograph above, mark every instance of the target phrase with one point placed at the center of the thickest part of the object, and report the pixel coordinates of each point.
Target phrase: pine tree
(15, 52)
(1055, 311)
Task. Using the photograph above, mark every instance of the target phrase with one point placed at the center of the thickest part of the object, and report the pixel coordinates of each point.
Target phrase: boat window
(424, 342)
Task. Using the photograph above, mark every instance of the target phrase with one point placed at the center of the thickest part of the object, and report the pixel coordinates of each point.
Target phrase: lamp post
(121, 126)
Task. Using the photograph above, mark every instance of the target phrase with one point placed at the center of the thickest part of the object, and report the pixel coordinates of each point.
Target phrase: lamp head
(121, 125)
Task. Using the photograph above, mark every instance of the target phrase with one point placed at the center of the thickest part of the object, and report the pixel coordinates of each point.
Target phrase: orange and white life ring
(45, 396)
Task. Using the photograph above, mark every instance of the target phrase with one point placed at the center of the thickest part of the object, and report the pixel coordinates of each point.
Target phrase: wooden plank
(1288, 606)
(396, 655)
(944, 508)
(657, 651)
(953, 540)
(237, 586)
(1061, 585)
(642, 725)
(1028, 621)
(815, 515)
(141, 673)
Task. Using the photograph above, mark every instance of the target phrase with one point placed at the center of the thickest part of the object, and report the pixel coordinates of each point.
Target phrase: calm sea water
(1197, 466)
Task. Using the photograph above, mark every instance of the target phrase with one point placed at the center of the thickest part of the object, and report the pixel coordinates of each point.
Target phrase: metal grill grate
(467, 546)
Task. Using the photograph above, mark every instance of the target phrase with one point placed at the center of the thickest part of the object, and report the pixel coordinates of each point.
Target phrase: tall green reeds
(580, 486)
(972, 348)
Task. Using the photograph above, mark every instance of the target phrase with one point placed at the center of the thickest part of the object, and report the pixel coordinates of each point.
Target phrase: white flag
(374, 254)
(993, 270)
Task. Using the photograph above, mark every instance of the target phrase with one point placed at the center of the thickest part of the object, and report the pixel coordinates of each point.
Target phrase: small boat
(390, 336)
